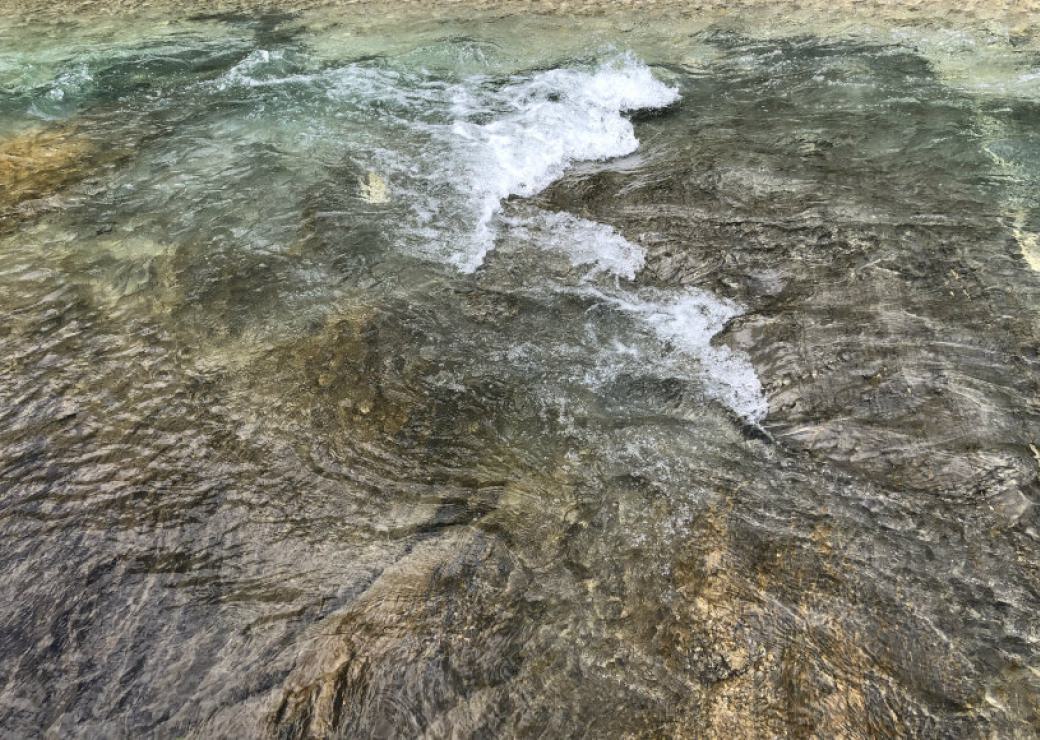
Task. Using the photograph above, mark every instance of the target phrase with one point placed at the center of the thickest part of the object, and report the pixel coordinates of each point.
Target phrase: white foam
(584, 242)
(244, 73)
(455, 151)
(548, 122)
(688, 320)
(557, 118)
(262, 68)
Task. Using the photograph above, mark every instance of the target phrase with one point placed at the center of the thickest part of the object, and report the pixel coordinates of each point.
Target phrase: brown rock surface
(38, 162)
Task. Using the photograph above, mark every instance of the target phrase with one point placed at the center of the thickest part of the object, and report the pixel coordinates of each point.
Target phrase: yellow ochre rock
(373, 189)
(38, 162)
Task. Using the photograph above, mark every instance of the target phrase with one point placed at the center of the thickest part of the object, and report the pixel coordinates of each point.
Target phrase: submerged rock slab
(39, 162)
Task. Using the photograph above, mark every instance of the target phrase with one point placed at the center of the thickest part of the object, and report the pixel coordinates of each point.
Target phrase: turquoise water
(472, 377)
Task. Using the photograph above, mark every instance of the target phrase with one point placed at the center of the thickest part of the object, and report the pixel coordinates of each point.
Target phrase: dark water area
(474, 378)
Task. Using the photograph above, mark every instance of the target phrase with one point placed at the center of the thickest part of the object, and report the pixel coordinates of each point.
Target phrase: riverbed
(496, 371)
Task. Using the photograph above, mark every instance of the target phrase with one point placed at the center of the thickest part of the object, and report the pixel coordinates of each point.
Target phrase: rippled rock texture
(460, 379)
(37, 163)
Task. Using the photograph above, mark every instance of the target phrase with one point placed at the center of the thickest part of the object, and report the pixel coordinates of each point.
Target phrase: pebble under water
(467, 377)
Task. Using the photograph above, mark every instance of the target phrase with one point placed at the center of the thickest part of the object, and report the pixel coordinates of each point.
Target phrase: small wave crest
(688, 320)
(548, 122)
(585, 243)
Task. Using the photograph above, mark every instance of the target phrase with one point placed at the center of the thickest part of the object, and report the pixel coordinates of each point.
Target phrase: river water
(482, 374)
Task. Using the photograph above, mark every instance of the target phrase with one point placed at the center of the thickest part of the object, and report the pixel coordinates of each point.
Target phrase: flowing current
(496, 373)
(480, 141)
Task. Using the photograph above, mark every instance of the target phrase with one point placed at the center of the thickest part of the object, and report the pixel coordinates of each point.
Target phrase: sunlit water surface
(479, 377)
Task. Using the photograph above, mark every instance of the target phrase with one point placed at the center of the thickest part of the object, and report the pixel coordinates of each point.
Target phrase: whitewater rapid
(452, 153)
(550, 121)
(563, 116)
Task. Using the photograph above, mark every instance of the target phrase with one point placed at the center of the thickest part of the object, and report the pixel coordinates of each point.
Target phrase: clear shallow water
(473, 379)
